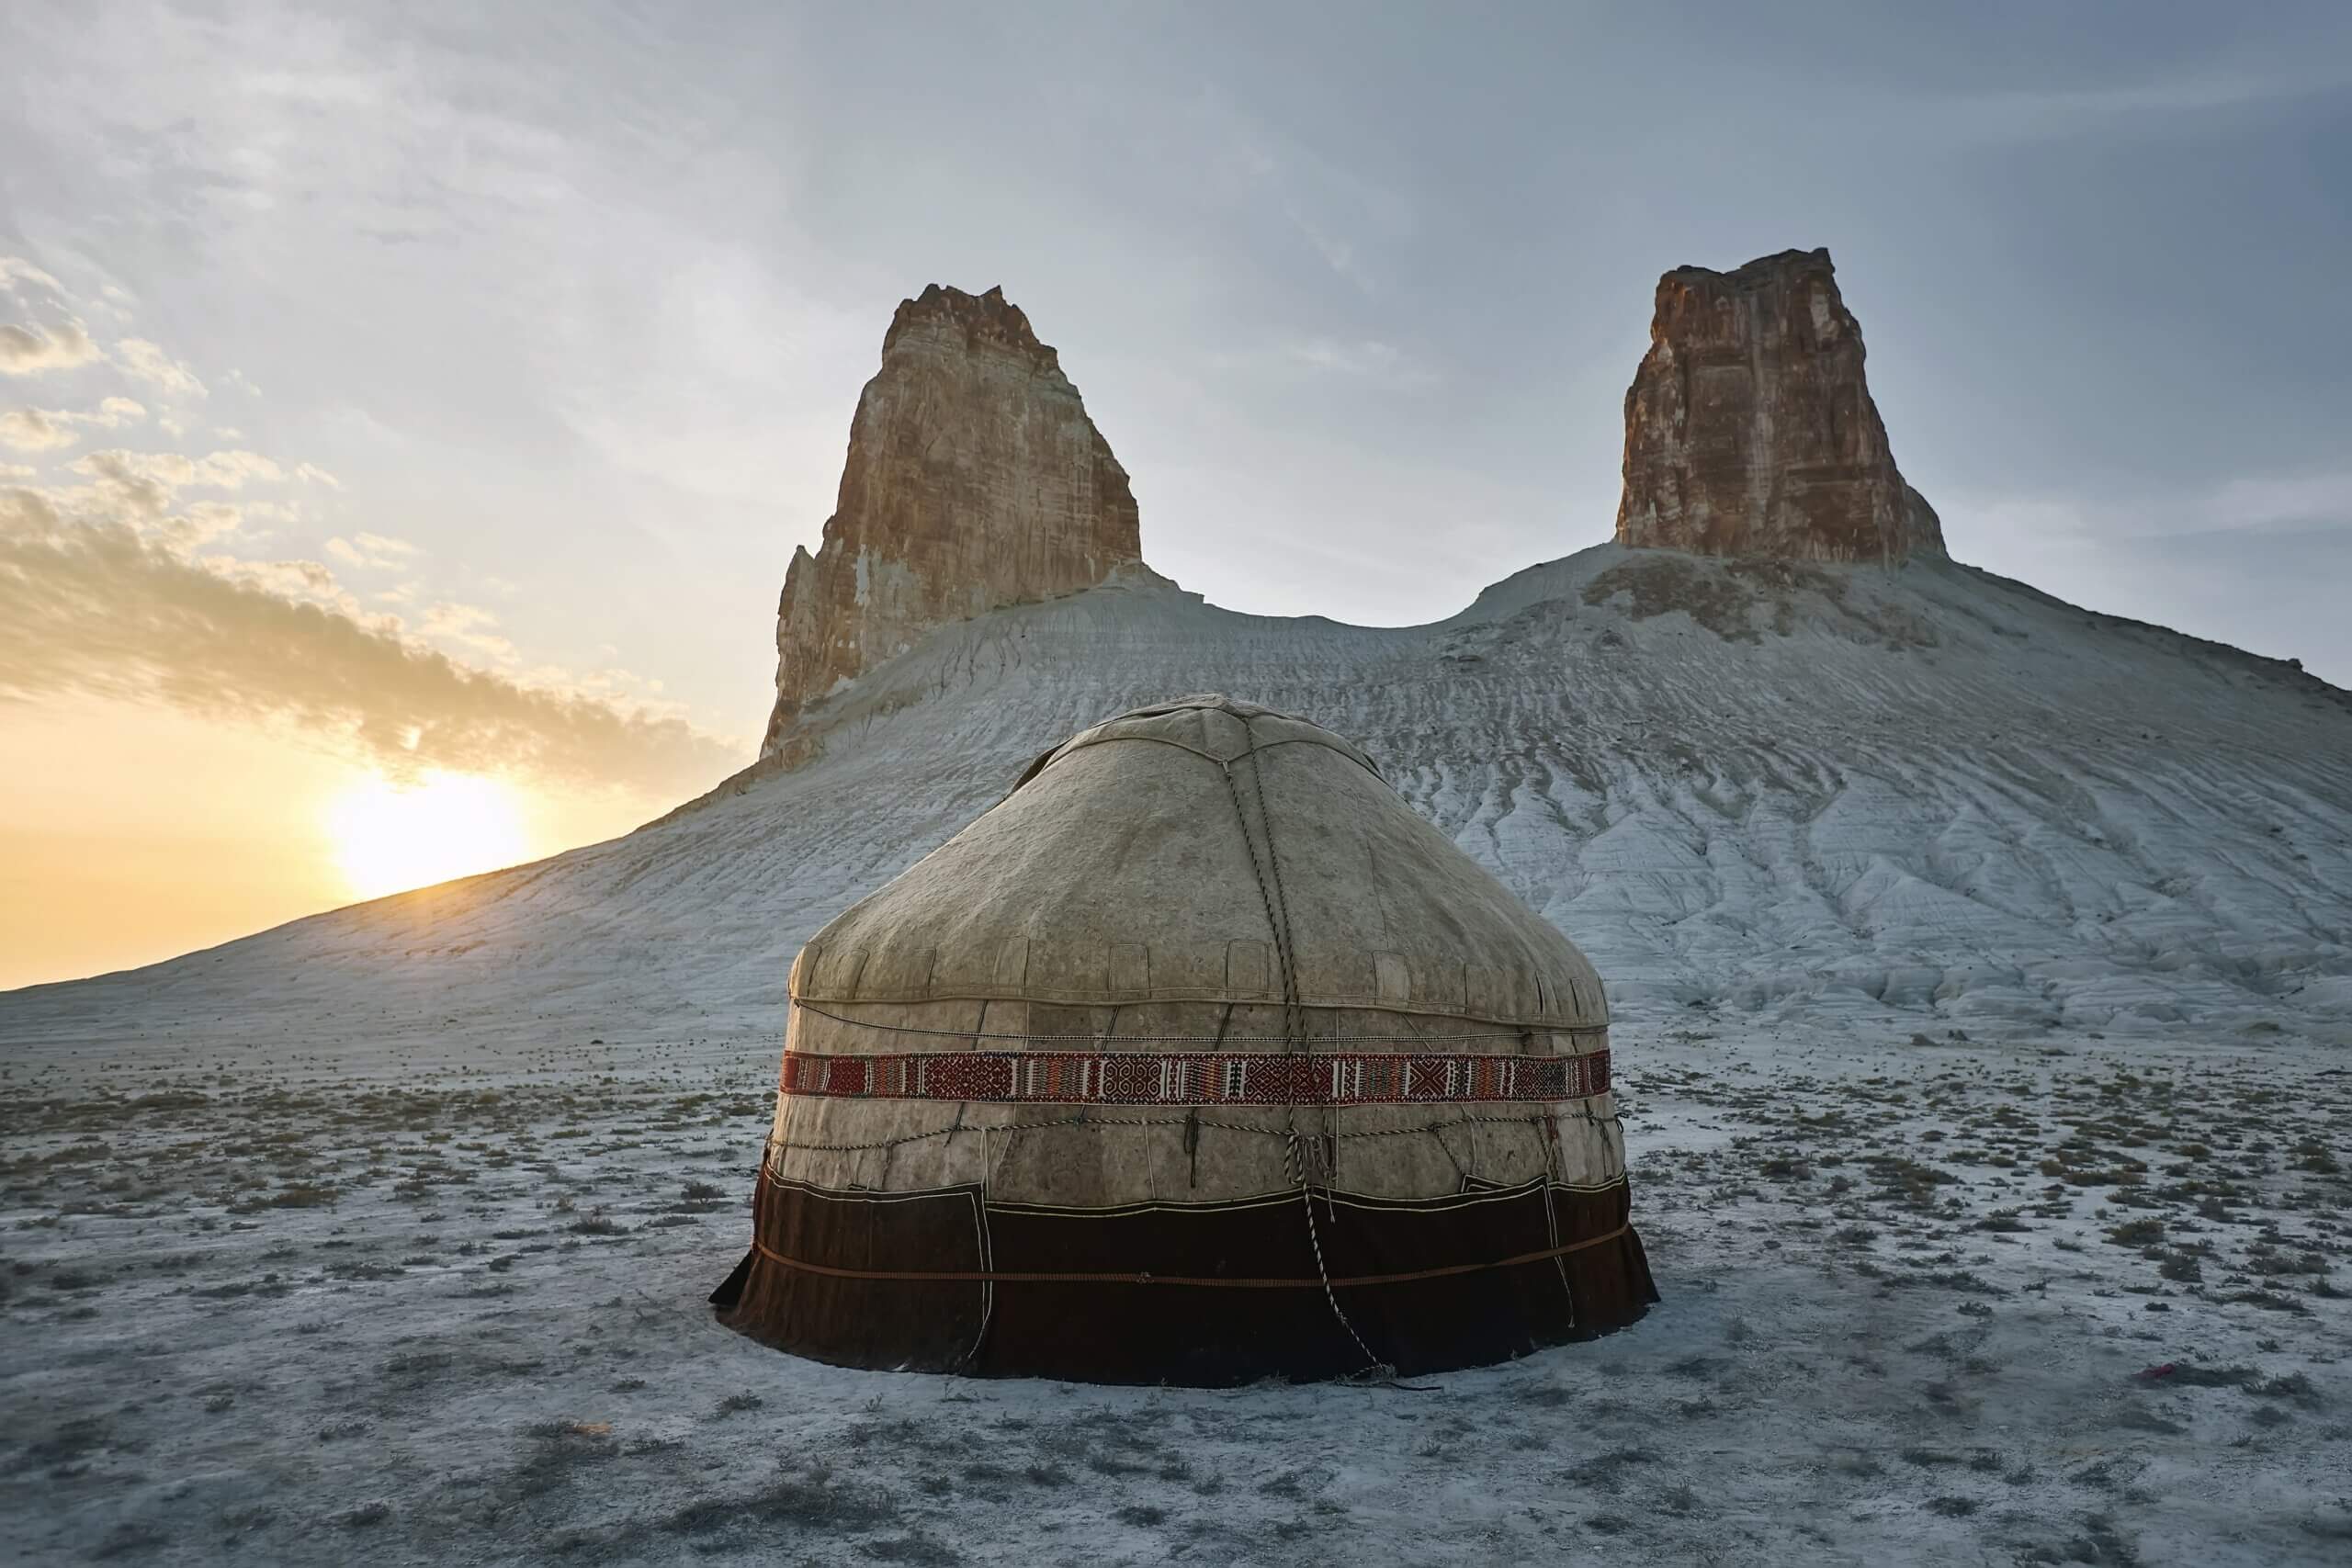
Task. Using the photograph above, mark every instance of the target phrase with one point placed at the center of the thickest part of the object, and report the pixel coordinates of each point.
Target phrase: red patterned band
(1200, 1077)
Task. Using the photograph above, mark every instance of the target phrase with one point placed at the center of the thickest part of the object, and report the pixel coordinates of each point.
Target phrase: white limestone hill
(1901, 798)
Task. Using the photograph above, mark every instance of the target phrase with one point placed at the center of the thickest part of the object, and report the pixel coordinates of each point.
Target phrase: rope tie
(1269, 874)
(1520, 1035)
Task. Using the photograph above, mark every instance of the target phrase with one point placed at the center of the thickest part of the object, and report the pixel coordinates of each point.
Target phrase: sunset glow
(388, 837)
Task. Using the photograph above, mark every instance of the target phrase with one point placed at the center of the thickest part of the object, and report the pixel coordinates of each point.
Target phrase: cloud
(15, 270)
(116, 581)
(31, 430)
(141, 490)
(2163, 105)
(152, 364)
(1338, 254)
(2282, 500)
(1340, 213)
(1366, 359)
(307, 581)
(230, 469)
(372, 550)
(1368, 362)
(100, 608)
(2250, 504)
(167, 472)
(469, 626)
(27, 351)
(39, 430)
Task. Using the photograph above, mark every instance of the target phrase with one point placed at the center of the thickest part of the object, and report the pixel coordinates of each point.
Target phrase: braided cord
(1117, 1040)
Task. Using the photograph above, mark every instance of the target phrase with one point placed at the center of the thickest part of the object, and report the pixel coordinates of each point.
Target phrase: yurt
(1199, 1058)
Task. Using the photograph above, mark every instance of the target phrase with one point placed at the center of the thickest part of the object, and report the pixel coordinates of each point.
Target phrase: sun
(388, 837)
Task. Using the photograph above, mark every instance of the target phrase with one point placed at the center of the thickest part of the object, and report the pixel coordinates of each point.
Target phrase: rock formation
(975, 481)
(1749, 429)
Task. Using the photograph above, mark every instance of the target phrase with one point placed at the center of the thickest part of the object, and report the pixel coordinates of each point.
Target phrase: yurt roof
(1133, 863)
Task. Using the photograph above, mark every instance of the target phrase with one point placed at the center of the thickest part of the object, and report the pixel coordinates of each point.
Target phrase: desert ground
(2040, 1297)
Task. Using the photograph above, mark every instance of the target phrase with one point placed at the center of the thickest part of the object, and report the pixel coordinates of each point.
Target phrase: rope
(1323, 1281)
(1292, 1006)
(1269, 893)
(1292, 1027)
(1519, 1033)
(797, 1145)
(1082, 741)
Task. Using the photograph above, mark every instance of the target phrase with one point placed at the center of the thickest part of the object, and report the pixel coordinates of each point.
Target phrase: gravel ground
(2047, 1300)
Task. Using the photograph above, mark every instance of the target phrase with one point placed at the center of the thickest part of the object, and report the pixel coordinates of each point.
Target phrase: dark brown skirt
(1203, 1294)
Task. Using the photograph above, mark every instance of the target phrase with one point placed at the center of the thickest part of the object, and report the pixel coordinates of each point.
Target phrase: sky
(407, 413)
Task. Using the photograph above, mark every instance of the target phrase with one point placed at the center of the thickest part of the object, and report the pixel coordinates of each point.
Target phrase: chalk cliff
(975, 481)
(1749, 429)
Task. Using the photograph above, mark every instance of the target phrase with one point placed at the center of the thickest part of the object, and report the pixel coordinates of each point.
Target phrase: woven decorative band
(1195, 1078)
